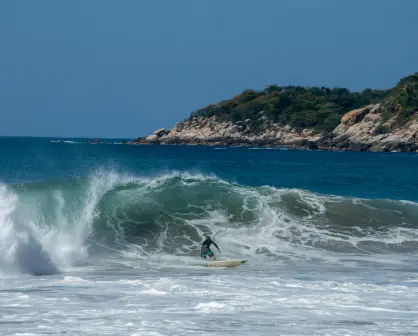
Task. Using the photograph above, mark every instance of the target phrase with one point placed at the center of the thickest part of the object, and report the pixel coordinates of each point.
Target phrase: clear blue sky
(104, 68)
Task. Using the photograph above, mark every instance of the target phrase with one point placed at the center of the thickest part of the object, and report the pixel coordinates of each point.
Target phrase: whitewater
(105, 240)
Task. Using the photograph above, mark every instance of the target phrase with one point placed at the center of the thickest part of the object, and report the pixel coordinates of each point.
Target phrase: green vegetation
(402, 101)
(320, 108)
(382, 129)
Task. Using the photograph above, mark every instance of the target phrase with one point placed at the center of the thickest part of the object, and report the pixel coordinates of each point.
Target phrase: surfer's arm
(216, 246)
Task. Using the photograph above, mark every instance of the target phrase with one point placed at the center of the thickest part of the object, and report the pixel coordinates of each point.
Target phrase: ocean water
(103, 239)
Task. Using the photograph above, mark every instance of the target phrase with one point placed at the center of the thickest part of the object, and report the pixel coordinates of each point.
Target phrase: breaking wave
(51, 226)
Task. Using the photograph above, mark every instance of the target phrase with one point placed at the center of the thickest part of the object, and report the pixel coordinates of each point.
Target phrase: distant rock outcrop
(359, 129)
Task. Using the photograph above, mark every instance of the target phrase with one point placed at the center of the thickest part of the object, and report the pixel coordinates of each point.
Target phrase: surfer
(206, 251)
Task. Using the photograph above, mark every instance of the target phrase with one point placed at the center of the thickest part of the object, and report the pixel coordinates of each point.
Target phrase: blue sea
(104, 239)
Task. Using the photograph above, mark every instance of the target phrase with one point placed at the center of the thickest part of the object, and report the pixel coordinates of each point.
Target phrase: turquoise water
(105, 238)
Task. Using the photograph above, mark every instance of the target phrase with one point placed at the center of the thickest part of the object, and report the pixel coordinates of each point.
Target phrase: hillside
(329, 118)
(402, 102)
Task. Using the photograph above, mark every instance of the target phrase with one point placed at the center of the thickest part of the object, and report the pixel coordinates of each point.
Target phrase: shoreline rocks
(359, 130)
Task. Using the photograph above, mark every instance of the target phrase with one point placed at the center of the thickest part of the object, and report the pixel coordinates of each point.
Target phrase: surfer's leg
(211, 255)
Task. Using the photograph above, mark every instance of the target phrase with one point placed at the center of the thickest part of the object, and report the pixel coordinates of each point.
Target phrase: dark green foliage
(382, 129)
(320, 108)
(403, 100)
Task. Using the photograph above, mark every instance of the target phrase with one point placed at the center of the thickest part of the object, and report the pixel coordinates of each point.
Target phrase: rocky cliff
(365, 129)
(360, 129)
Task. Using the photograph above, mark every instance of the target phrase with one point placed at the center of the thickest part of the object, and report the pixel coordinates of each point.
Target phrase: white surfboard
(226, 263)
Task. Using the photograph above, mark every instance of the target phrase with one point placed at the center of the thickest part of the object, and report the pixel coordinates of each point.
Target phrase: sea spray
(21, 245)
(48, 238)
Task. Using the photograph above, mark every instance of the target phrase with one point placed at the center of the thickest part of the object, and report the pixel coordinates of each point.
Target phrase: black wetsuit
(206, 251)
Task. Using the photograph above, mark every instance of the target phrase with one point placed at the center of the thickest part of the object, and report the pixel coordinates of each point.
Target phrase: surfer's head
(207, 237)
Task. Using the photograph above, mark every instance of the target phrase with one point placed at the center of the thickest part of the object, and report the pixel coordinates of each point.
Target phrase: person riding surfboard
(206, 251)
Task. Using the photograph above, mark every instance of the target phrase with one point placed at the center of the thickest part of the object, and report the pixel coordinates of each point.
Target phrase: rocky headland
(389, 123)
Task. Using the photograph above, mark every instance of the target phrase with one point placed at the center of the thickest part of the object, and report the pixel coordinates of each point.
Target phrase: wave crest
(50, 226)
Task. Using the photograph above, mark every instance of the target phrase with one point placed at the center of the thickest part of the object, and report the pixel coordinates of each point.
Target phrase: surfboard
(226, 263)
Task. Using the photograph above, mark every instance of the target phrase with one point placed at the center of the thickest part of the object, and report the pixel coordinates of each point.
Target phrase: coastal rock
(160, 132)
(355, 116)
(359, 130)
(213, 131)
(362, 130)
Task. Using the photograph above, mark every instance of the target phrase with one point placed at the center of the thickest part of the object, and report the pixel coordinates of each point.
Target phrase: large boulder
(160, 132)
(355, 116)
